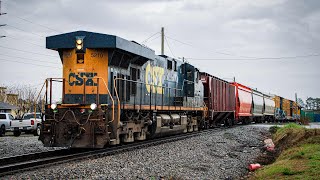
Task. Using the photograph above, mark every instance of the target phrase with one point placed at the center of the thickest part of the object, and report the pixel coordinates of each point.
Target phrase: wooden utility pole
(1, 11)
(162, 41)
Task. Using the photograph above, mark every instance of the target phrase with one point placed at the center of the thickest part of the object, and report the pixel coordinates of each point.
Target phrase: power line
(168, 45)
(28, 63)
(36, 23)
(20, 39)
(179, 41)
(243, 58)
(26, 31)
(27, 51)
(28, 59)
(255, 59)
(223, 53)
(155, 38)
(29, 21)
(25, 41)
(149, 37)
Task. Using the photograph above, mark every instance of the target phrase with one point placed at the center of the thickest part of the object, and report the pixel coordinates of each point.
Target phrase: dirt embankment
(297, 154)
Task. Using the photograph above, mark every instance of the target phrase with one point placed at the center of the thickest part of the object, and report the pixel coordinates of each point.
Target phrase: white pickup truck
(5, 123)
(28, 124)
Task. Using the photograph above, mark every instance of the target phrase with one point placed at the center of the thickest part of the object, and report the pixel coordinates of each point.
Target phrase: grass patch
(301, 162)
(299, 154)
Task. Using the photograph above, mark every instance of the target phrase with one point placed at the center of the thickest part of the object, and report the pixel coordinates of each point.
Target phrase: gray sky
(227, 38)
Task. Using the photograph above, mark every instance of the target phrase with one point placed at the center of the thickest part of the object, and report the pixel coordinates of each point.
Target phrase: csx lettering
(78, 79)
(154, 76)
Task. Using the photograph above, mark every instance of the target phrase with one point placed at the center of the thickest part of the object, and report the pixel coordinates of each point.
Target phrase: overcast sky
(226, 38)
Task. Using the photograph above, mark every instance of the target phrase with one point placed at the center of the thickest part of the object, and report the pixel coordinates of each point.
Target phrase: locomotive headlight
(79, 41)
(93, 106)
(53, 106)
(79, 47)
(79, 44)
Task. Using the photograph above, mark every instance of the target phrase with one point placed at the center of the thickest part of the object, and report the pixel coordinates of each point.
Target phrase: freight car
(268, 108)
(115, 90)
(243, 103)
(219, 97)
(286, 110)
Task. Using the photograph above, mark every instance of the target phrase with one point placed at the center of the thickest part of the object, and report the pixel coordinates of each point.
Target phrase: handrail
(147, 84)
(115, 89)
(109, 96)
(151, 85)
(98, 92)
(46, 81)
(35, 101)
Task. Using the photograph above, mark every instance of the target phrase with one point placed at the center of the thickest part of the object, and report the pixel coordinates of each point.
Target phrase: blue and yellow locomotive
(114, 91)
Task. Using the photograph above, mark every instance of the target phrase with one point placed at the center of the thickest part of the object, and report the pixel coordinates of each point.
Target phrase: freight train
(118, 91)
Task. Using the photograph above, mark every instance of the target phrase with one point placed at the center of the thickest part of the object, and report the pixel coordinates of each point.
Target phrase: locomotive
(118, 91)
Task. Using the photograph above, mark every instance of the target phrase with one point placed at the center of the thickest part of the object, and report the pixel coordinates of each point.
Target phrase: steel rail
(25, 163)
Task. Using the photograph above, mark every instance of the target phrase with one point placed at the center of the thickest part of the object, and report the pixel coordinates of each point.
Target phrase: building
(8, 102)
(7, 108)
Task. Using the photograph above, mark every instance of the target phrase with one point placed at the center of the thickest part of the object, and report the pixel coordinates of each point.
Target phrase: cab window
(175, 65)
(169, 64)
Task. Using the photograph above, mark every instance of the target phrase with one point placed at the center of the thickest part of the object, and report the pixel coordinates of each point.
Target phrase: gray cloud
(240, 28)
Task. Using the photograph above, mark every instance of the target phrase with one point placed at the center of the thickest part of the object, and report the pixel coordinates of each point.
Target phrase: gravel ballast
(24, 144)
(224, 154)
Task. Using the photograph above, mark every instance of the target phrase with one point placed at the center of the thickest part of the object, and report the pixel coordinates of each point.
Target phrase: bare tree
(26, 98)
(301, 103)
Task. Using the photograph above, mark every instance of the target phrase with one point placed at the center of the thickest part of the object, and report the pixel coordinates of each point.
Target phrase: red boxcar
(219, 97)
(243, 102)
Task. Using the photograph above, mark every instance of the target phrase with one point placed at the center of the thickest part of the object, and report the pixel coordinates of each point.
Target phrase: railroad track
(22, 163)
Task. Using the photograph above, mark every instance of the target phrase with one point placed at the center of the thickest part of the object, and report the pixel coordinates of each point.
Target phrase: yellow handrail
(35, 102)
(109, 96)
(115, 89)
(45, 83)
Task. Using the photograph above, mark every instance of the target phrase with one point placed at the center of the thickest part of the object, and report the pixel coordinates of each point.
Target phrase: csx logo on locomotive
(79, 78)
(154, 78)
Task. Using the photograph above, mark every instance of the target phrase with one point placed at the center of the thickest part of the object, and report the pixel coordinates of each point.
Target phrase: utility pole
(0, 10)
(162, 41)
(234, 79)
(1, 13)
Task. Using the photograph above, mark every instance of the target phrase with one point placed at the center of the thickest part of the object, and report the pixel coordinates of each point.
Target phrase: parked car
(5, 122)
(28, 124)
